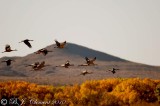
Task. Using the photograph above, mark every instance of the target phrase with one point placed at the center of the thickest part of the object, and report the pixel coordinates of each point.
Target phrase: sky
(128, 29)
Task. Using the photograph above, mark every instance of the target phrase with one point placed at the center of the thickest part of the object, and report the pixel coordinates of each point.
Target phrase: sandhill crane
(66, 65)
(85, 72)
(43, 51)
(34, 65)
(8, 49)
(89, 62)
(41, 65)
(60, 45)
(8, 61)
(113, 70)
(38, 66)
(26, 41)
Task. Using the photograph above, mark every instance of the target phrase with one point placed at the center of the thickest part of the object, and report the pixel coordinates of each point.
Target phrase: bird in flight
(89, 62)
(60, 45)
(26, 41)
(41, 66)
(8, 61)
(113, 70)
(85, 72)
(8, 49)
(34, 65)
(66, 65)
(43, 51)
(38, 66)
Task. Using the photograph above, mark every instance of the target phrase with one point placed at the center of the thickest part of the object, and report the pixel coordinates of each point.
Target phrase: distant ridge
(84, 51)
(78, 50)
(76, 55)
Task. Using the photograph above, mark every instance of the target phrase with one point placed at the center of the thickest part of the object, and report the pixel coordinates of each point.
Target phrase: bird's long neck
(50, 51)
(14, 50)
(71, 64)
(56, 47)
(3, 61)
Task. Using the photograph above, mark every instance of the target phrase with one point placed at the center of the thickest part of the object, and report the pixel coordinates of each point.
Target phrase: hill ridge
(76, 55)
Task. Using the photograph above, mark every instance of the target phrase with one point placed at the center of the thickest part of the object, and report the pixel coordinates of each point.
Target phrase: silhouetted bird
(8, 49)
(60, 45)
(66, 65)
(41, 66)
(26, 41)
(43, 51)
(89, 62)
(113, 70)
(38, 66)
(8, 61)
(34, 65)
(85, 72)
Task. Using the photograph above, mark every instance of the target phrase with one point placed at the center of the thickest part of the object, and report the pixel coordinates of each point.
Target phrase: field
(107, 92)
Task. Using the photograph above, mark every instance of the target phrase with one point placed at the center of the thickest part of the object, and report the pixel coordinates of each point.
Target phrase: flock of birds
(40, 65)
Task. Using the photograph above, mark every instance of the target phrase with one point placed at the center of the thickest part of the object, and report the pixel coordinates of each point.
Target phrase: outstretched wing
(93, 59)
(67, 63)
(45, 52)
(28, 44)
(84, 65)
(87, 59)
(57, 43)
(8, 63)
(7, 47)
(90, 73)
(41, 65)
(63, 43)
(36, 63)
(115, 69)
(113, 72)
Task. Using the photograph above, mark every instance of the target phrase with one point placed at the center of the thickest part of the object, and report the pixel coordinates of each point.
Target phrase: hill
(75, 54)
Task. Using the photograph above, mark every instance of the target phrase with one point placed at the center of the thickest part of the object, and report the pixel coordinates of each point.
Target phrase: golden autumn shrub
(157, 92)
(107, 92)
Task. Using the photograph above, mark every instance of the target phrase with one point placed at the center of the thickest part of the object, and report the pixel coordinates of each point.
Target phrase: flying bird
(43, 51)
(113, 70)
(38, 66)
(85, 72)
(60, 45)
(66, 65)
(41, 66)
(8, 49)
(8, 61)
(34, 65)
(26, 41)
(89, 62)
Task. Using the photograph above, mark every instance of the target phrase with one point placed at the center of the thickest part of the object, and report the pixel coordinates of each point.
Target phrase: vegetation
(108, 92)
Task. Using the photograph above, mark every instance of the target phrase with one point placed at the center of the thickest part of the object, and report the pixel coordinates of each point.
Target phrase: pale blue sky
(125, 28)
